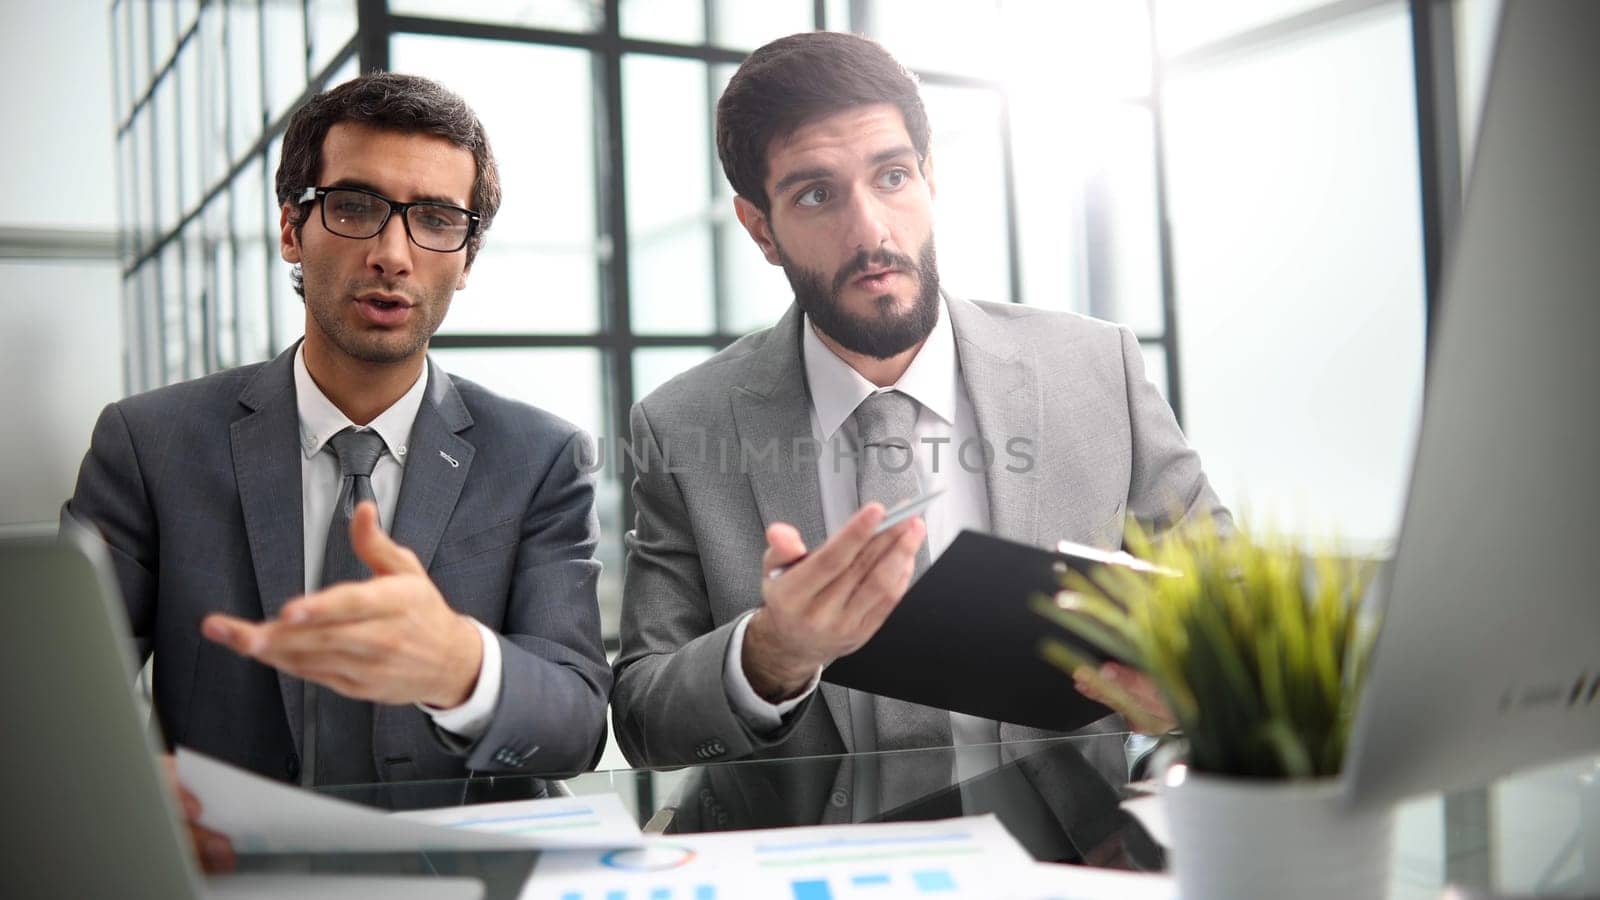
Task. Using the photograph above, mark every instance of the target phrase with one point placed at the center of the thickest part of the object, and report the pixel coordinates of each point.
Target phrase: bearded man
(771, 458)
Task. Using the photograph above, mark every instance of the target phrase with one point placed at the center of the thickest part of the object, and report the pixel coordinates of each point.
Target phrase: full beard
(885, 333)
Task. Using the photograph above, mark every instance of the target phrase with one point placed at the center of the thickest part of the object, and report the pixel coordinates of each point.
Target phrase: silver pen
(894, 517)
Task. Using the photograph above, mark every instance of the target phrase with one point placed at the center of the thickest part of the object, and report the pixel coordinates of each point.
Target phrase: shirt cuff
(471, 719)
(762, 716)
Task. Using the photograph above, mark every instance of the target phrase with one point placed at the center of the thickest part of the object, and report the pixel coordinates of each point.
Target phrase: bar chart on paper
(926, 860)
(934, 882)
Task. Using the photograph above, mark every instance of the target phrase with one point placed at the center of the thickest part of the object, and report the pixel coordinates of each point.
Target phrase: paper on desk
(968, 857)
(277, 885)
(1048, 881)
(263, 816)
(1152, 815)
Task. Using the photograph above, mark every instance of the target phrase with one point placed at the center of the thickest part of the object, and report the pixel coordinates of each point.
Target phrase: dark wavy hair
(394, 102)
(796, 80)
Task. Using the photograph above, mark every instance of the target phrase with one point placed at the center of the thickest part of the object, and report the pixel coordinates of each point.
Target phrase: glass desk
(1535, 834)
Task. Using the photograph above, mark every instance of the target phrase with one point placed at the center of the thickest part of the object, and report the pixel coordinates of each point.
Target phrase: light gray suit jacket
(196, 490)
(1106, 446)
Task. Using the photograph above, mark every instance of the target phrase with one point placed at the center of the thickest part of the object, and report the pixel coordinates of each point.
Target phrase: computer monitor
(1488, 658)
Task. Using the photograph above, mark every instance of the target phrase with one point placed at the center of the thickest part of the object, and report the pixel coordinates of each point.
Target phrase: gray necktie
(338, 730)
(886, 472)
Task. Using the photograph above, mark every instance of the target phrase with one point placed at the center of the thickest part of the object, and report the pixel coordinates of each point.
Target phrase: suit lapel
(774, 409)
(266, 468)
(1003, 383)
(438, 460)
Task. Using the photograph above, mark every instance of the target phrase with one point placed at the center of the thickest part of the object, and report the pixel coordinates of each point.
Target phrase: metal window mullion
(124, 215)
(601, 41)
(374, 26)
(719, 280)
(233, 275)
(157, 302)
(860, 16)
(263, 142)
(1008, 177)
(305, 41)
(1169, 307)
(258, 148)
(618, 318)
(166, 68)
(123, 85)
(185, 218)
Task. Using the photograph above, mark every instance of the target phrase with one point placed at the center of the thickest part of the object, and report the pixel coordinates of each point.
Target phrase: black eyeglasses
(359, 214)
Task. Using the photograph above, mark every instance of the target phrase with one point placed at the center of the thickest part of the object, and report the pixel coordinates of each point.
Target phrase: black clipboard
(966, 638)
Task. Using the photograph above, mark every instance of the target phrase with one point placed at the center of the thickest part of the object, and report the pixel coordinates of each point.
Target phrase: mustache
(864, 260)
(379, 286)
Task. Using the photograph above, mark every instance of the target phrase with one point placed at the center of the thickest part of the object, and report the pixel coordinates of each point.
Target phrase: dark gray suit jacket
(196, 490)
(1105, 446)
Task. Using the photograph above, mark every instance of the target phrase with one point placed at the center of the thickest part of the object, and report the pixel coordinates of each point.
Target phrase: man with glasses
(350, 565)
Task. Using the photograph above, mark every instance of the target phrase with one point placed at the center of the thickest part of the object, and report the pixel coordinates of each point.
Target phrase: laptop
(89, 813)
(1488, 659)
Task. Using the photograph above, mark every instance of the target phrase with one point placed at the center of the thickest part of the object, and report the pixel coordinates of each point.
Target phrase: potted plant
(1259, 651)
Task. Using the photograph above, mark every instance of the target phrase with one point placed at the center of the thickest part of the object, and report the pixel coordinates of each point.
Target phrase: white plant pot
(1236, 839)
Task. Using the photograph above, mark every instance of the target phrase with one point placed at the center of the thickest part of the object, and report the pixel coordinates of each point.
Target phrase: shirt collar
(320, 420)
(932, 379)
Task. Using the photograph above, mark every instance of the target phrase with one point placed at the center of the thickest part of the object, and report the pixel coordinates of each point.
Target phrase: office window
(960, 37)
(1294, 209)
(121, 80)
(211, 114)
(566, 381)
(196, 299)
(223, 310)
(163, 27)
(184, 14)
(1121, 234)
(288, 312)
(244, 74)
(654, 367)
(174, 352)
(732, 23)
(570, 383)
(188, 111)
(150, 327)
(539, 267)
(142, 163)
(331, 24)
(138, 68)
(557, 15)
(668, 153)
(283, 43)
(970, 208)
(1183, 24)
(164, 136)
(754, 293)
(251, 261)
(1155, 366)
(127, 196)
(616, 260)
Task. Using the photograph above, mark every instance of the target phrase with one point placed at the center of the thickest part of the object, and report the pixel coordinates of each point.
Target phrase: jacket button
(839, 799)
(291, 766)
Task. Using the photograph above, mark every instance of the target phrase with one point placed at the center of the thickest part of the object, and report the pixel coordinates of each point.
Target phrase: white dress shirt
(320, 420)
(945, 423)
